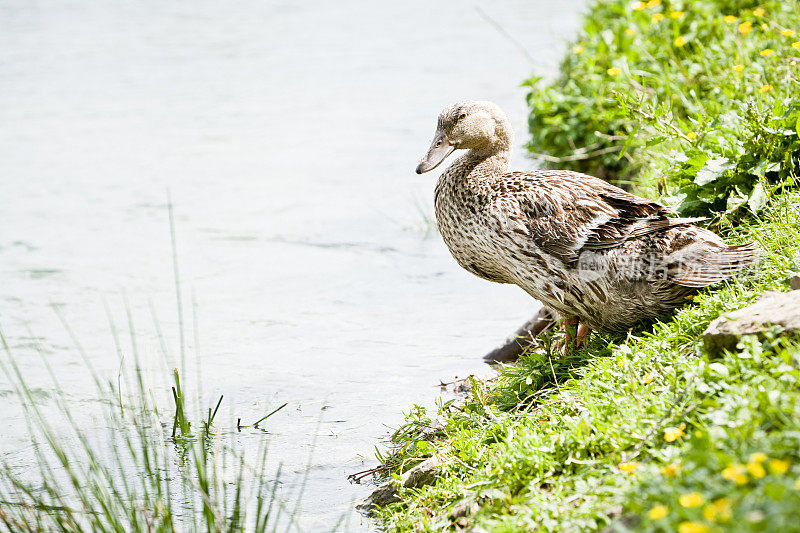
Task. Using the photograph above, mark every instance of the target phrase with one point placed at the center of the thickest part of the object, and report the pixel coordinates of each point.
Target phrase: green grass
(646, 431)
(146, 469)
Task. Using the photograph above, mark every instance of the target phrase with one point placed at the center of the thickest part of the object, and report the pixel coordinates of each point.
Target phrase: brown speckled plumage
(574, 242)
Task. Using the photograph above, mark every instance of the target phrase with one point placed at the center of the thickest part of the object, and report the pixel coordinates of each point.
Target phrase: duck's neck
(495, 157)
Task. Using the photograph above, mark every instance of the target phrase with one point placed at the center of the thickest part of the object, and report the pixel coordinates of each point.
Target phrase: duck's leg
(582, 335)
(570, 334)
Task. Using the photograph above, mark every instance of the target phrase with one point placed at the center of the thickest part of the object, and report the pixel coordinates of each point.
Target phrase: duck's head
(480, 126)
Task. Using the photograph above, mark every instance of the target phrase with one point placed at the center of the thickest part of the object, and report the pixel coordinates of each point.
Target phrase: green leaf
(758, 198)
(712, 170)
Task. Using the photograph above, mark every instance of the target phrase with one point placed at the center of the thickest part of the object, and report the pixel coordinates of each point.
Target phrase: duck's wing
(565, 213)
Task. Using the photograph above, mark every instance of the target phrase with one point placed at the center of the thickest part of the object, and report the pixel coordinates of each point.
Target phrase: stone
(794, 282)
(424, 473)
(773, 308)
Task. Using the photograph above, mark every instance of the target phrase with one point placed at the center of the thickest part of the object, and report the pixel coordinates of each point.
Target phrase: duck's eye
(438, 143)
(462, 116)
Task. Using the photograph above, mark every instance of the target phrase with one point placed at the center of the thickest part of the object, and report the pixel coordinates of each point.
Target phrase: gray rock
(424, 473)
(794, 282)
(380, 497)
(773, 308)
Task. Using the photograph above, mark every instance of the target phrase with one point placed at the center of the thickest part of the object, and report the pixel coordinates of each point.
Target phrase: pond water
(286, 134)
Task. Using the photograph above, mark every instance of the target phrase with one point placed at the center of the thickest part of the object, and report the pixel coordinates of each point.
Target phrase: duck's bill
(440, 149)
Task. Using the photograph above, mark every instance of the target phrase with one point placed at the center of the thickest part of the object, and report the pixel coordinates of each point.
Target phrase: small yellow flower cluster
(736, 473)
(647, 379)
(691, 135)
(777, 466)
(718, 510)
(692, 527)
(738, 68)
(638, 6)
(680, 41)
(658, 17)
(796, 45)
(787, 33)
(730, 19)
(653, 3)
(765, 88)
(691, 499)
(674, 433)
(766, 52)
(658, 511)
(745, 27)
(630, 32)
(671, 470)
(630, 468)
(759, 12)
(677, 14)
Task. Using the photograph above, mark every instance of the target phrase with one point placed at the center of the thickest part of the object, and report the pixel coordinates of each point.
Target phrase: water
(287, 134)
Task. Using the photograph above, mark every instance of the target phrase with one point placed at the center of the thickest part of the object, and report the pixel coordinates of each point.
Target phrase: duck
(600, 257)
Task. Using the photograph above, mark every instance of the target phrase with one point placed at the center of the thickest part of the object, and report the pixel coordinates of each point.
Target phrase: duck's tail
(712, 264)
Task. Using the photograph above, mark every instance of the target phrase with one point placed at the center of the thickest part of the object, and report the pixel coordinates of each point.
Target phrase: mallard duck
(601, 257)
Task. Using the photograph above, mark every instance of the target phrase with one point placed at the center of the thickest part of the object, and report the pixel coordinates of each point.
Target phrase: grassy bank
(693, 103)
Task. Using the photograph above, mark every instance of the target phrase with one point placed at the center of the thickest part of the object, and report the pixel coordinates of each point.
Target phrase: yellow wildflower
(621, 362)
(796, 44)
(691, 135)
(730, 19)
(677, 14)
(659, 511)
(647, 379)
(766, 52)
(613, 71)
(738, 68)
(756, 470)
(671, 470)
(745, 27)
(765, 88)
(673, 434)
(736, 473)
(758, 457)
(692, 527)
(759, 12)
(777, 466)
(658, 17)
(637, 6)
(577, 49)
(718, 510)
(680, 41)
(628, 467)
(653, 3)
(691, 499)
(764, 27)
(629, 32)
(787, 33)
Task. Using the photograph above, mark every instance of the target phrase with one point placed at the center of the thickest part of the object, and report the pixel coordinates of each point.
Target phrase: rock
(424, 473)
(794, 282)
(380, 497)
(773, 308)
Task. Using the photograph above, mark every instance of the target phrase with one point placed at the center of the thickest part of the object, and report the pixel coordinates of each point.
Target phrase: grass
(695, 103)
(139, 474)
